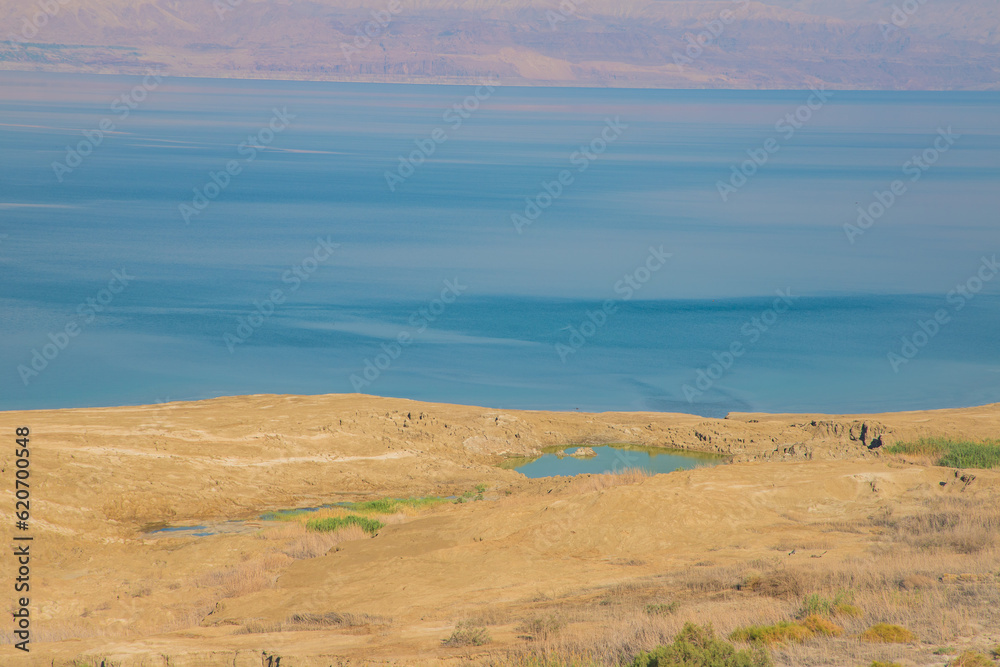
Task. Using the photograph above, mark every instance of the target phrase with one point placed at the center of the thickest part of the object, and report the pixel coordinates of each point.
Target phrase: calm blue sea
(527, 248)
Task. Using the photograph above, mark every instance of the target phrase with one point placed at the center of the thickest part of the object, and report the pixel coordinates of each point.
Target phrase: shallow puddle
(561, 462)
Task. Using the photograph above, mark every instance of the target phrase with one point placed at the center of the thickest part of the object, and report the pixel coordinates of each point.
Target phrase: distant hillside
(864, 44)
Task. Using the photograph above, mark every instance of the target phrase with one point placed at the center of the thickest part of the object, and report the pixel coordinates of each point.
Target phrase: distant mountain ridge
(844, 44)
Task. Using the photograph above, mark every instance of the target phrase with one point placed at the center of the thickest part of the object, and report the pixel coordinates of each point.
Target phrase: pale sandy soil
(591, 550)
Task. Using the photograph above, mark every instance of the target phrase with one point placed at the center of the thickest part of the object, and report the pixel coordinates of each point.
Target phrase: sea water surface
(532, 248)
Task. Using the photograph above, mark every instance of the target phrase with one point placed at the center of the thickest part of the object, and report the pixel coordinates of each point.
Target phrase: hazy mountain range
(864, 44)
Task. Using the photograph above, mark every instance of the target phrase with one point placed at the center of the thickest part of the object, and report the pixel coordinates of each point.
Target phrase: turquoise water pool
(561, 462)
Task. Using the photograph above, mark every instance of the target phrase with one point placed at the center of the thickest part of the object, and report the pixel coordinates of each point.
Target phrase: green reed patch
(392, 505)
(330, 524)
(952, 453)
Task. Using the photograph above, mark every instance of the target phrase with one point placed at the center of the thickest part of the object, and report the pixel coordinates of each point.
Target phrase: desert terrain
(499, 569)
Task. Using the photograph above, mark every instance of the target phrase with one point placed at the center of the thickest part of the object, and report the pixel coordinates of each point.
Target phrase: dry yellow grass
(248, 577)
(297, 542)
(939, 593)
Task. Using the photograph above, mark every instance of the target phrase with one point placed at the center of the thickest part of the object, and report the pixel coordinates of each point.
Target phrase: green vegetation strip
(330, 524)
(392, 505)
(285, 515)
(953, 453)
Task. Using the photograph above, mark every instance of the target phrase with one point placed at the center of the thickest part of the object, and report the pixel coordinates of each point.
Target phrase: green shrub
(392, 505)
(879, 663)
(995, 652)
(953, 453)
(945, 650)
(842, 604)
(697, 646)
(821, 625)
(887, 634)
(971, 659)
(467, 635)
(542, 628)
(815, 604)
(469, 496)
(330, 524)
(780, 633)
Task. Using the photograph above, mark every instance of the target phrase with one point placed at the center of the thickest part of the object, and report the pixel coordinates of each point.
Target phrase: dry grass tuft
(916, 582)
(947, 525)
(543, 628)
(779, 633)
(248, 577)
(971, 659)
(298, 542)
(325, 621)
(887, 633)
(822, 626)
(490, 616)
(661, 609)
(334, 619)
(467, 635)
(258, 627)
(624, 477)
(783, 584)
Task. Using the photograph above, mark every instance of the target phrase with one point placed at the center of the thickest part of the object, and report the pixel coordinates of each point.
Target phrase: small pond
(560, 462)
